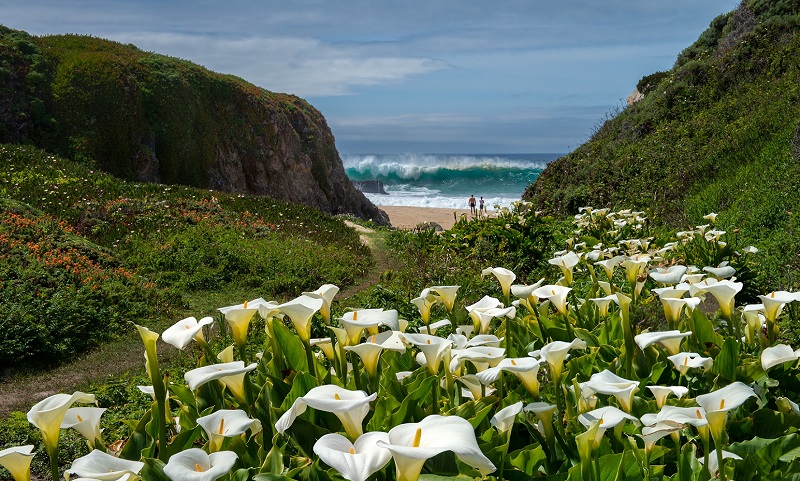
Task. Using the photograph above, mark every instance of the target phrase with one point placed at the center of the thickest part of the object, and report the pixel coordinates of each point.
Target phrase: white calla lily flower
(525, 368)
(446, 295)
(85, 420)
(182, 332)
(556, 294)
(48, 413)
(355, 461)
(719, 402)
(661, 393)
(17, 460)
(105, 467)
(606, 382)
(326, 292)
(503, 420)
(671, 340)
(435, 349)
(227, 423)
(196, 465)
(504, 276)
(300, 310)
(239, 316)
(412, 444)
(555, 353)
(683, 361)
(351, 407)
(779, 354)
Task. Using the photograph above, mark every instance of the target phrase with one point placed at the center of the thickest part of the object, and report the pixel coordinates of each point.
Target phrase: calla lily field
(628, 360)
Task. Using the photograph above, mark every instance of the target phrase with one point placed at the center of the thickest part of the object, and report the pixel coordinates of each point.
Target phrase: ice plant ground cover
(714, 395)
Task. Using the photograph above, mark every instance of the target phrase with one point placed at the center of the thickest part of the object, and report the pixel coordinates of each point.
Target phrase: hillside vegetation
(719, 132)
(84, 254)
(144, 116)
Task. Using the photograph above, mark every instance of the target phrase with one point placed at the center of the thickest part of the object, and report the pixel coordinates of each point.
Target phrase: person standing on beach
(481, 208)
(472, 205)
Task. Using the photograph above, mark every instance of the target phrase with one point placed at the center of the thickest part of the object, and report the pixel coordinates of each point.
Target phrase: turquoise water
(447, 180)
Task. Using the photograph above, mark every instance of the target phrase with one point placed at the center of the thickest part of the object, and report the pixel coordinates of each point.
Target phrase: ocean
(447, 180)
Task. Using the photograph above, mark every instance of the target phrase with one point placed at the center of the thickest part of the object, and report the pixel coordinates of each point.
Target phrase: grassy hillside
(719, 132)
(84, 254)
(144, 116)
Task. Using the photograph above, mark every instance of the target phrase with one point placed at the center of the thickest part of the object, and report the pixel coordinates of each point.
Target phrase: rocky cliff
(148, 117)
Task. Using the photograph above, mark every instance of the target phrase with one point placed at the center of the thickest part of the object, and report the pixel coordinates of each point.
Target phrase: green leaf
(292, 347)
(727, 360)
(475, 411)
(153, 470)
(183, 441)
(139, 440)
(528, 460)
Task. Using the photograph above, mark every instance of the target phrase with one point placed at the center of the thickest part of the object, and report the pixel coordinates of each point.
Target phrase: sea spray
(447, 180)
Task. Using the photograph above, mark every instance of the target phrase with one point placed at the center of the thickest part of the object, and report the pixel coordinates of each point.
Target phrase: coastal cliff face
(147, 117)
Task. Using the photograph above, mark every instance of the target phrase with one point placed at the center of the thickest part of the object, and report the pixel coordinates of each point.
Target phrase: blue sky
(425, 76)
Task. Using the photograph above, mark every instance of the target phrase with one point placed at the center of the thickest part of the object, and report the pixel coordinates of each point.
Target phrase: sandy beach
(408, 217)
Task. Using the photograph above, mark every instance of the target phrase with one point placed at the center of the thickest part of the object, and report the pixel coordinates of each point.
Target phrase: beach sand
(408, 217)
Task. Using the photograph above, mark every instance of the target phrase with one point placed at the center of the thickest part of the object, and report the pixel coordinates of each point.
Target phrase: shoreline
(405, 217)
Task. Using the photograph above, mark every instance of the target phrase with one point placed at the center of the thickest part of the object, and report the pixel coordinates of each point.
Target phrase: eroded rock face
(296, 162)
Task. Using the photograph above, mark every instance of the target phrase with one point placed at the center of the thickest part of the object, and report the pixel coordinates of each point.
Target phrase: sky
(412, 76)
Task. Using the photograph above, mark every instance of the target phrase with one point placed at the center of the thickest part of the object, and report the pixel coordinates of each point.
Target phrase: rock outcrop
(144, 116)
(370, 186)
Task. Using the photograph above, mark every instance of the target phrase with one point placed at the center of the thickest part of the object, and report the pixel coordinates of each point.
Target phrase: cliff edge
(147, 117)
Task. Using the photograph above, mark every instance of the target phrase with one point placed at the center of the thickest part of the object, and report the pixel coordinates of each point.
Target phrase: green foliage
(718, 133)
(103, 252)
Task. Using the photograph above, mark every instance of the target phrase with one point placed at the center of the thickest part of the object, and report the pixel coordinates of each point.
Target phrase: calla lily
(485, 340)
(413, 443)
(435, 349)
(683, 361)
(201, 375)
(465, 330)
(326, 292)
(434, 326)
(503, 420)
(673, 307)
(525, 292)
(713, 460)
(669, 276)
(651, 434)
(606, 382)
(227, 423)
(196, 465)
(182, 332)
(48, 413)
(555, 352)
(545, 413)
(85, 420)
(556, 294)
(300, 310)
(354, 461)
(566, 263)
(349, 406)
(774, 303)
(772, 356)
(635, 266)
(481, 357)
(370, 351)
(325, 345)
(446, 295)
(239, 316)
(661, 393)
(696, 416)
(17, 460)
(424, 302)
(504, 276)
(607, 417)
(486, 302)
(473, 389)
(482, 318)
(608, 265)
(721, 271)
(602, 304)
(525, 368)
(105, 467)
(719, 402)
(671, 340)
(723, 291)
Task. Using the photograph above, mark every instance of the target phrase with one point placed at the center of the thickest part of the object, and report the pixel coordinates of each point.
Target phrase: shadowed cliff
(144, 116)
